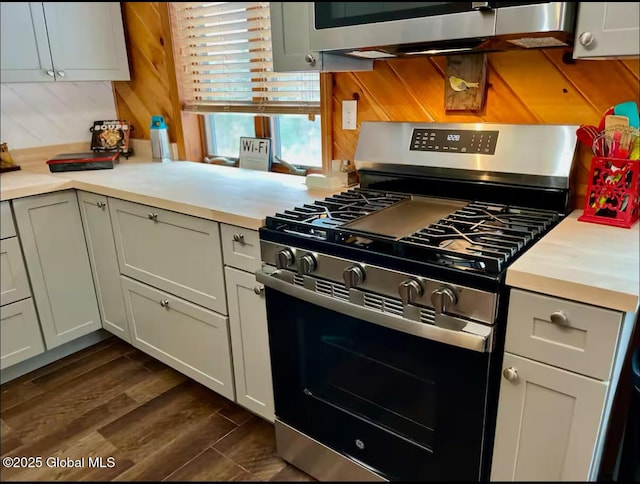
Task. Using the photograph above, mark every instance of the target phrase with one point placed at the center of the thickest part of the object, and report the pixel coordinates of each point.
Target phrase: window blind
(224, 61)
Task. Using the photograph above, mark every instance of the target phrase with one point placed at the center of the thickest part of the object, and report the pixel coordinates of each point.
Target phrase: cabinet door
(174, 252)
(548, 423)
(20, 337)
(250, 342)
(104, 263)
(607, 29)
(290, 22)
(58, 265)
(24, 47)
(87, 41)
(190, 339)
(13, 276)
(7, 229)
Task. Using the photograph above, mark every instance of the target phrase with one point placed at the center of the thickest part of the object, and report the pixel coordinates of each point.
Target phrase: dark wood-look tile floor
(111, 400)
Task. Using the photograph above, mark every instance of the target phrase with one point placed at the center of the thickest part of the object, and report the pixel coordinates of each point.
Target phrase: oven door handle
(477, 337)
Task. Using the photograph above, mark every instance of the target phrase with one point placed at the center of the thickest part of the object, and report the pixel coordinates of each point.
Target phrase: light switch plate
(349, 114)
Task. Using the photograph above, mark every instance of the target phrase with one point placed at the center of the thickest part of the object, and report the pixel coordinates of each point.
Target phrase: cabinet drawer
(174, 252)
(7, 228)
(20, 336)
(240, 247)
(14, 284)
(569, 335)
(190, 339)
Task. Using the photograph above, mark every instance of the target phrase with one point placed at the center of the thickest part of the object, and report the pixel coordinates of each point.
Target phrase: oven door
(401, 405)
(353, 25)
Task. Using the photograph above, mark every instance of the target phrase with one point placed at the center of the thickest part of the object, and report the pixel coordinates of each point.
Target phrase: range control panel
(454, 141)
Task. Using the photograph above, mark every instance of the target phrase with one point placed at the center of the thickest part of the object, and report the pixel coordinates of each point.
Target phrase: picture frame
(255, 153)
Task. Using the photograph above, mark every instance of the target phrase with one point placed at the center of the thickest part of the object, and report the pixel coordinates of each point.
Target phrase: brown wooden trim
(326, 115)
(262, 125)
(189, 132)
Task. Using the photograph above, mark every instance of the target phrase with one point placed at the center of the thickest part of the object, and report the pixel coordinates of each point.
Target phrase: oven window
(360, 375)
(340, 14)
(329, 366)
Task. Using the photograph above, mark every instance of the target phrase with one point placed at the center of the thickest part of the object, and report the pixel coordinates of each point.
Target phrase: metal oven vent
(333, 290)
(383, 304)
(427, 316)
(298, 281)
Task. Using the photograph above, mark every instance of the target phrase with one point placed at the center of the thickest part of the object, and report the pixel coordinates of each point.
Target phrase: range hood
(441, 28)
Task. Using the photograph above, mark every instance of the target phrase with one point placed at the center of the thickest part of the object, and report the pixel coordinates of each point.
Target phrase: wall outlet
(349, 114)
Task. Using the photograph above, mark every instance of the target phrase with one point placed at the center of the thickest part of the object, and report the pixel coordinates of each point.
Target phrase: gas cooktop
(469, 235)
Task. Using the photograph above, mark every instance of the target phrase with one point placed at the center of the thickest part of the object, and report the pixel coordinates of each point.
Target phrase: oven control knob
(284, 259)
(443, 299)
(306, 264)
(353, 276)
(409, 291)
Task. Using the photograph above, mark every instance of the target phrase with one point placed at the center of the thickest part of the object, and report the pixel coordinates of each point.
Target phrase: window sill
(276, 167)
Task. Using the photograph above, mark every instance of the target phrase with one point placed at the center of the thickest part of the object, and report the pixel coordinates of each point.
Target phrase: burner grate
(480, 236)
(317, 219)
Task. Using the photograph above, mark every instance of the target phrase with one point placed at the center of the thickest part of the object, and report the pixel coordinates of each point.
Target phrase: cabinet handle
(586, 39)
(152, 216)
(259, 290)
(100, 204)
(50, 73)
(511, 374)
(310, 59)
(559, 317)
(61, 73)
(238, 238)
(164, 303)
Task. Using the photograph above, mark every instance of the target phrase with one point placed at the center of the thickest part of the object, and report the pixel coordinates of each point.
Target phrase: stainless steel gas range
(386, 304)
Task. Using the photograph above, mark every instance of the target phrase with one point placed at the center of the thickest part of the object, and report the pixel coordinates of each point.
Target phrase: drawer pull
(164, 303)
(153, 216)
(259, 290)
(559, 317)
(238, 238)
(100, 204)
(511, 374)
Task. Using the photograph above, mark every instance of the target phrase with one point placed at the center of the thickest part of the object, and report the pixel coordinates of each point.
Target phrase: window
(223, 55)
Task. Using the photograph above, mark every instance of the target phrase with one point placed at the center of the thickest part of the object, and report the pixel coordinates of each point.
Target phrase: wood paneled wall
(525, 87)
(153, 88)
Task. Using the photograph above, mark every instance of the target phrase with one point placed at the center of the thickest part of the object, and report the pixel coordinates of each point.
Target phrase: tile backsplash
(51, 113)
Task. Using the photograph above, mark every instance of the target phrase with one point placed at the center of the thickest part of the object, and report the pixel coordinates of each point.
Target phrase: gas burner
(460, 245)
(481, 236)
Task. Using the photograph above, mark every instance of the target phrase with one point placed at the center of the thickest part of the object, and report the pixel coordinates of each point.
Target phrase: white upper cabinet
(62, 41)
(607, 29)
(290, 23)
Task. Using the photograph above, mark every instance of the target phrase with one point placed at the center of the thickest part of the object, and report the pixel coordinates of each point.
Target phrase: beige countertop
(586, 262)
(224, 194)
(591, 263)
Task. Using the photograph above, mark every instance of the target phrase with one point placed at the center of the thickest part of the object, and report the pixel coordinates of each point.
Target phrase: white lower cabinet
(57, 262)
(250, 342)
(185, 336)
(14, 285)
(177, 253)
(548, 422)
(555, 388)
(20, 337)
(104, 262)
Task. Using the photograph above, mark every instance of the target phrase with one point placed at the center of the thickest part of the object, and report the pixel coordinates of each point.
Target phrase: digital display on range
(454, 141)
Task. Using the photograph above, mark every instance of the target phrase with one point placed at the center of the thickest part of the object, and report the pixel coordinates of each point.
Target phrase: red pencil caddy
(612, 193)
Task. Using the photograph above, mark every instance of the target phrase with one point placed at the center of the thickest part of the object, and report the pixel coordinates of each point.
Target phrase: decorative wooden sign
(465, 82)
(255, 153)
